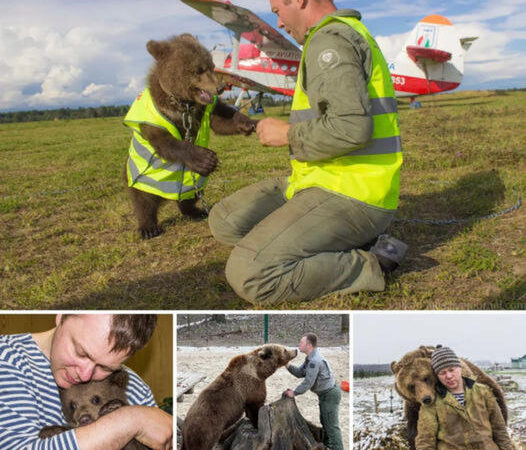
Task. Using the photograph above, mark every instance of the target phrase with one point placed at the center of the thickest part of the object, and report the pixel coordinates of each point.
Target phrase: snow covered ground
(382, 426)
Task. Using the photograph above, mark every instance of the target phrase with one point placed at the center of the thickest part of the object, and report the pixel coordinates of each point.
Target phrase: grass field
(68, 238)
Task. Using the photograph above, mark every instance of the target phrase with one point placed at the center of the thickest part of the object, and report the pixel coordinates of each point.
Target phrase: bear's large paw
(151, 232)
(110, 406)
(201, 160)
(195, 213)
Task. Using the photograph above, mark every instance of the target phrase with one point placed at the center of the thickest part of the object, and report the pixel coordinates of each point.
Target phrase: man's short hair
(128, 332)
(312, 338)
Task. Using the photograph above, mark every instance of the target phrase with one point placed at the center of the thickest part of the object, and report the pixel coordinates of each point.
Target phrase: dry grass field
(68, 238)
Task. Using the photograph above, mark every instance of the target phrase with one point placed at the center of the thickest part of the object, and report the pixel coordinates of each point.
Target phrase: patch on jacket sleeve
(312, 365)
(328, 59)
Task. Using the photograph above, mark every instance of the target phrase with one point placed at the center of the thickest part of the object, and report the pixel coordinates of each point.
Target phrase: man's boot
(389, 252)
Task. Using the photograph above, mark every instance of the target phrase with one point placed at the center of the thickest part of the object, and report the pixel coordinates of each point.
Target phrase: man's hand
(289, 393)
(273, 132)
(149, 425)
(155, 428)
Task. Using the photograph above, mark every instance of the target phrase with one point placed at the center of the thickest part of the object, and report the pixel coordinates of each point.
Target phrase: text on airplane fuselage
(398, 80)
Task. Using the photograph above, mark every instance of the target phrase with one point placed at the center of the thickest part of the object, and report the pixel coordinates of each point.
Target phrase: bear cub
(169, 156)
(84, 403)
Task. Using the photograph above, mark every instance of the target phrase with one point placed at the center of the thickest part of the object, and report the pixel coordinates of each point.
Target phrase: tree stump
(280, 427)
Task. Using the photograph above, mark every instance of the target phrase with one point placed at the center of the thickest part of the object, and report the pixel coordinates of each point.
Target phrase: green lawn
(68, 237)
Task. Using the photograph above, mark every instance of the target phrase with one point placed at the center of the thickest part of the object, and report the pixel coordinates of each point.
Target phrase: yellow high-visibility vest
(370, 174)
(146, 170)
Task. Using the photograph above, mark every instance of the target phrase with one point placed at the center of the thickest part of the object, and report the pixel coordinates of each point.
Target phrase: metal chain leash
(516, 206)
(187, 125)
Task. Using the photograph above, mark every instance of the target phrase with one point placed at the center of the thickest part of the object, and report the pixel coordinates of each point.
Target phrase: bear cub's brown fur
(182, 80)
(241, 387)
(84, 403)
(416, 383)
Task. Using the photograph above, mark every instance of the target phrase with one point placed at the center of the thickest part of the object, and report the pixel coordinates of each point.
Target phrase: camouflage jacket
(447, 425)
(338, 91)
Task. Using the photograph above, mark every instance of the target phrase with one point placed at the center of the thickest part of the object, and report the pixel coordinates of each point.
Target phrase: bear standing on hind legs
(239, 389)
(171, 121)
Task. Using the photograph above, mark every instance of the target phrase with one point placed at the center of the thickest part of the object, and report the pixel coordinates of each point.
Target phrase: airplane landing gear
(414, 104)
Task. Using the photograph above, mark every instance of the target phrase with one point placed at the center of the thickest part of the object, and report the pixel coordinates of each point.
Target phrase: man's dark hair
(129, 332)
(312, 338)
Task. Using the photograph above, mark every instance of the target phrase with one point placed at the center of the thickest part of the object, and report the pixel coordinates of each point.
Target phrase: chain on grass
(515, 207)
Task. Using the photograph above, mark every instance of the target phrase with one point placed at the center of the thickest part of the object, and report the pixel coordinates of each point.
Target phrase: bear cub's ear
(119, 378)
(158, 49)
(189, 38)
(394, 367)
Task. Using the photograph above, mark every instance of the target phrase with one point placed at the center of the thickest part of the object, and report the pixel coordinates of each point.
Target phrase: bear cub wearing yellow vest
(171, 121)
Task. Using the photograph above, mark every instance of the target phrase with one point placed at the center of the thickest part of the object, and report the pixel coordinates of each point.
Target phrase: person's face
(289, 18)
(451, 378)
(304, 345)
(80, 350)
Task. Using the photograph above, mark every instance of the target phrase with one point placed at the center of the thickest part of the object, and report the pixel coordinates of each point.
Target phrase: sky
(380, 338)
(70, 53)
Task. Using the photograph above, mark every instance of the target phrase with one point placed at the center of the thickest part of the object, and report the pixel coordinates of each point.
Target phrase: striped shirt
(29, 397)
(459, 397)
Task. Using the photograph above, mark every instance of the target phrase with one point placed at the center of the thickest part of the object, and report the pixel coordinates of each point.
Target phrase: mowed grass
(68, 236)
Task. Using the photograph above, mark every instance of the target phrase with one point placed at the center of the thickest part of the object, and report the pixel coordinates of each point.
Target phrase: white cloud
(491, 10)
(392, 45)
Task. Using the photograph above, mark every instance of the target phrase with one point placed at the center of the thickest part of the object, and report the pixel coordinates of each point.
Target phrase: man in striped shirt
(81, 348)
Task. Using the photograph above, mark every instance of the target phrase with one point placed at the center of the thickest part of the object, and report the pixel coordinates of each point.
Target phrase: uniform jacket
(339, 91)
(317, 373)
(446, 425)
(344, 135)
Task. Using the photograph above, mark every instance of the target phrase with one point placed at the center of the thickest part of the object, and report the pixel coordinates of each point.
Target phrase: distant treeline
(371, 370)
(64, 113)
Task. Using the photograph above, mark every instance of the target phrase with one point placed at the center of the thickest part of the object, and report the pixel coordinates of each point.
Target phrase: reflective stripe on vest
(146, 170)
(370, 173)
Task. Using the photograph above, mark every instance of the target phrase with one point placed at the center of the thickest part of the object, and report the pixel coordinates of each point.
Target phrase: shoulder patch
(312, 365)
(328, 59)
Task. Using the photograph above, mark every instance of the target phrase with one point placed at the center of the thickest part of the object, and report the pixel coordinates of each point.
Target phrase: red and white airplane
(431, 61)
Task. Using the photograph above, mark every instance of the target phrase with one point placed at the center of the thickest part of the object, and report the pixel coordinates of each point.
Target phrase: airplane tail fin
(435, 51)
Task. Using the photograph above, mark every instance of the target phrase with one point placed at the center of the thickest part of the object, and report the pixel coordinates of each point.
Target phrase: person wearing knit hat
(465, 413)
(444, 357)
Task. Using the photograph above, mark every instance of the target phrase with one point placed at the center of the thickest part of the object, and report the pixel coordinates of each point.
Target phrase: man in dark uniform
(319, 379)
(301, 237)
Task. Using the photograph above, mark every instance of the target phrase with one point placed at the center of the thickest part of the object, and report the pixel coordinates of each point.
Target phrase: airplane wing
(244, 22)
(231, 78)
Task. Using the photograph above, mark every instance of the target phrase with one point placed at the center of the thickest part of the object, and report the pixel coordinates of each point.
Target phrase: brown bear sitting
(416, 383)
(171, 120)
(84, 403)
(241, 387)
